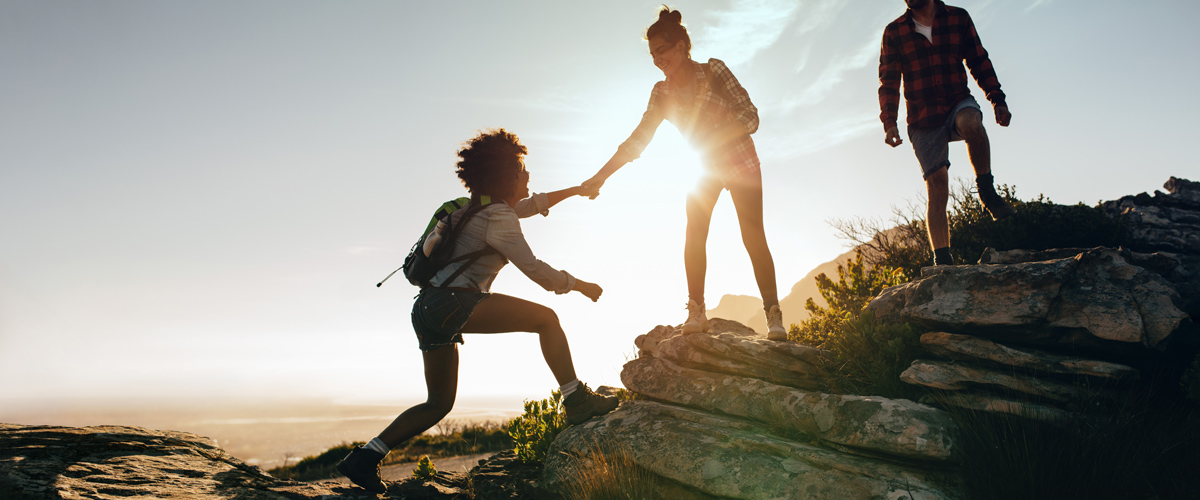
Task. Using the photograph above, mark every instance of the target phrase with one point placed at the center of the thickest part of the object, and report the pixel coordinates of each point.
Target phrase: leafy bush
(425, 469)
(866, 356)
(902, 242)
(533, 431)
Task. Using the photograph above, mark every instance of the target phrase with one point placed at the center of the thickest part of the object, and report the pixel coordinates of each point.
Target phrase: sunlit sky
(197, 198)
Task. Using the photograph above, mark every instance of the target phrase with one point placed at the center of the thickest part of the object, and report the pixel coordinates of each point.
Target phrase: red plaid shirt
(934, 79)
(700, 119)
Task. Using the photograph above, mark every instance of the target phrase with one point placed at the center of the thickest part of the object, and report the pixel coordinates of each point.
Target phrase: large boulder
(1095, 299)
(718, 456)
(877, 425)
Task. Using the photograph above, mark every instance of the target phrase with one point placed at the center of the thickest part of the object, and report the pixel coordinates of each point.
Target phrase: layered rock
(1165, 221)
(734, 415)
(1095, 300)
(1036, 333)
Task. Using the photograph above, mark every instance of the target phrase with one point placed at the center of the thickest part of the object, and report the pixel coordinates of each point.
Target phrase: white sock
(569, 387)
(378, 446)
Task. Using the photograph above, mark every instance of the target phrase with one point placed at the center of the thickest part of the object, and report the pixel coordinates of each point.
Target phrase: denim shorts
(439, 314)
(932, 144)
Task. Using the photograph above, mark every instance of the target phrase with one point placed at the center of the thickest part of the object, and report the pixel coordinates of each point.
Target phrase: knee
(938, 183)
(440, 406)
(970, 125)
(546, 322)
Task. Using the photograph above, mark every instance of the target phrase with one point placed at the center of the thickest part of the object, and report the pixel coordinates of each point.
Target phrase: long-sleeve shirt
(703, 120)
(498, 225)
(934, 79)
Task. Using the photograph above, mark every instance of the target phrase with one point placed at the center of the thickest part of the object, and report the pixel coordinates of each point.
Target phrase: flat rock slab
(899, 428)
(785, 363)
(730, 458)
(971, 348)
(1000, 405)
(957, 377)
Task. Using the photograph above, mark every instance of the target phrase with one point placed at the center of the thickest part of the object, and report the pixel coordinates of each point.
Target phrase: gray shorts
(932, 144)
(438, 315)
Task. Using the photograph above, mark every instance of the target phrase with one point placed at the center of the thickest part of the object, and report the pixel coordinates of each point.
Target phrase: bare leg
(938, 186)
(502, 313)
(700, 205)
(749, 204)
(441, 380)
(969, 123)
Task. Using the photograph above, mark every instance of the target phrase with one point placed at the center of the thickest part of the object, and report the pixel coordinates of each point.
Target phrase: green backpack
(432, 251)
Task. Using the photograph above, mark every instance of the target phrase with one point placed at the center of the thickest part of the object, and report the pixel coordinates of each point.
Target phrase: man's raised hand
(1003, 116)
(892, 137)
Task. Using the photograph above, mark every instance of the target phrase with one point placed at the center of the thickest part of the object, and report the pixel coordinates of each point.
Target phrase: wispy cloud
(821, 13)
(1036, 4)
(833, 75)
(748, 27)
(815, 138)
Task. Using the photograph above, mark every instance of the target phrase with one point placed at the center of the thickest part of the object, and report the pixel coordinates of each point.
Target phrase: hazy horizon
(198, 198)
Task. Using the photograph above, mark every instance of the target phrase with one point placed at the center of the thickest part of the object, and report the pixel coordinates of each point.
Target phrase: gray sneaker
(584, 404)
(361, 467)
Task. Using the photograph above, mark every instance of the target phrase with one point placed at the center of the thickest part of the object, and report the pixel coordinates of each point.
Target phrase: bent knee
(969, 123)
(546, 321)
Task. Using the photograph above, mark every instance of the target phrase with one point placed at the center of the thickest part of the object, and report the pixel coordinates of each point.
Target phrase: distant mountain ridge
(748, 310)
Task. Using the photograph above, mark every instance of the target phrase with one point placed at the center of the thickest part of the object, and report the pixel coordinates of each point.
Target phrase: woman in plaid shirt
(714, 113)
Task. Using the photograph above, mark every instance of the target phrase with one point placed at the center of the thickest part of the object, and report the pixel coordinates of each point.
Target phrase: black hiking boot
(361, 467)
(584, 404)
(995, 204)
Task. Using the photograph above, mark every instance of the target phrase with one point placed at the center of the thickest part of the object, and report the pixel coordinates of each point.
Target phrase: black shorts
(439, 314)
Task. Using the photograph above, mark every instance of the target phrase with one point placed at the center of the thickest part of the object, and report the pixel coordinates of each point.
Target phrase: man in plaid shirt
(926, 47)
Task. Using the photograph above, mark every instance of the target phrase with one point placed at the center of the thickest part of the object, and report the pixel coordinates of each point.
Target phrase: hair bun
(670, 16)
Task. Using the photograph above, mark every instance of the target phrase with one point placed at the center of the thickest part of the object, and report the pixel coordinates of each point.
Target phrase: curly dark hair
(670, 25)
(490, 161)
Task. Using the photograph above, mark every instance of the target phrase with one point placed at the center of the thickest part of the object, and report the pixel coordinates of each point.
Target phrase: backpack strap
(720, 90)
(471, 257)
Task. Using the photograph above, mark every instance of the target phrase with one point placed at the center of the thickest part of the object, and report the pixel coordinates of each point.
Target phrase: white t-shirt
(924, 30)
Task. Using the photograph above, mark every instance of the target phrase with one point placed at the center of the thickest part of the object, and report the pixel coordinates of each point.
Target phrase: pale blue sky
(197, 198)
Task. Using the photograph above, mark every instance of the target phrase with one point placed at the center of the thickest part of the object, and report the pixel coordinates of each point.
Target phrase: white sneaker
(697, 322)
(775, 329)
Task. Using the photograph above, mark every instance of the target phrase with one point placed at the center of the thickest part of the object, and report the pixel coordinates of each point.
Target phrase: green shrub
(533, 431)
(425, 469)
(865, 356)
(902, 243)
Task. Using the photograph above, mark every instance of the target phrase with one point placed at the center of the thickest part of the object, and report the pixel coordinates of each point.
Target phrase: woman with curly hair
(713, 111)
(458, 300)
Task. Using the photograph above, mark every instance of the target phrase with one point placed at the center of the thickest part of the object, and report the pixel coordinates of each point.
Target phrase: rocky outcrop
(1095, 300)
(730, 414)
(120, 462)
(1035, 333)
(1165, 221)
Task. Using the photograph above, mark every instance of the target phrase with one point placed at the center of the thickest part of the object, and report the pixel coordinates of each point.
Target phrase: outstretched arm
(981, 68)
(632, 148)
